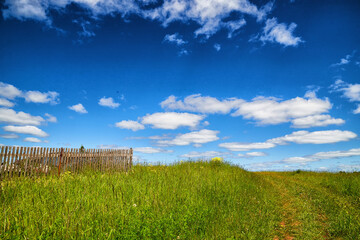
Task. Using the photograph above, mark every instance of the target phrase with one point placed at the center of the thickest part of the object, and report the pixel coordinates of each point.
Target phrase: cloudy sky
(268, 85)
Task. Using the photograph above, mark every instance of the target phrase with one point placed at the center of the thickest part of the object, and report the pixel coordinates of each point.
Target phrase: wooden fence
(35, 161)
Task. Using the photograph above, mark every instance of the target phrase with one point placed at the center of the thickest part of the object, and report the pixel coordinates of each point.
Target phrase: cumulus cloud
(172, 120)
(50, 118)
(9, 91)
(151, 150)
(211, 16)
(280, 33)
(39, 97)
(6, 103)
(345, 60)
(129, 124)
(21, 118)
(357, 110)
(317, 137)
(108, 102)
(198, 103)
(252, 154)
(207, 154)
(9, 136)
(237, 147)
(195, 137)
(174, 38)
(316, 121)
(299, 137)
(32, 139)
(31, 130)
(323, 155)
(269, 110)
(302, 112)
(79, 108)
(111, 146)
(350, 91)
(217, 47)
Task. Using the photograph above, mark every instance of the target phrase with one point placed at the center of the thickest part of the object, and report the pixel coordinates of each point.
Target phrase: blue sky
(266, 85)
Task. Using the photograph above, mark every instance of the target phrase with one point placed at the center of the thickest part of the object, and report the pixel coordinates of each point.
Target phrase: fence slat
(2, 158)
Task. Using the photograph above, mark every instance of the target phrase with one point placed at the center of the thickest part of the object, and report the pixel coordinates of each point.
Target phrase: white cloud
(9, 136)
(196, 137)
(151, 150)
(344, 61)
(280, 33)
(111, 146)
(32, 130)
(316, 121)
(210, 15)
(9, 91)
(32, 139)
(6, 103)
(299, 137)
(217, 47)
(323, 155)
(79, 108)
(198, 103)
(108, 102)
(21, 118)
(129, 124)
(174, 38)
(273, 111)
(207, 154)
(252, 154)
(39, 97)
(236, 146)
(350, 91)
(50, 118)
(264, 110)
(317, 137)
(172, 120)
(357, 110)
(233, 26)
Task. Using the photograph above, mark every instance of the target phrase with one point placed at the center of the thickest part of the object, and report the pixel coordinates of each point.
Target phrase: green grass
(191, 200)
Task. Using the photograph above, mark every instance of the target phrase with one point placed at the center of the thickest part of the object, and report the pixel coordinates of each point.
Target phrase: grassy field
(191, 200)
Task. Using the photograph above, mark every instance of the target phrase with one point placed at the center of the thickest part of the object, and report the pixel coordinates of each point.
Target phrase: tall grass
(193, 200)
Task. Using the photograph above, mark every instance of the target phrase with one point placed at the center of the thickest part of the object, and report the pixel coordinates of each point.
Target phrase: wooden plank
(77, 161)
(29, 160)
(19, 163)
(48, 162)
(2, 166)
(45, 161)
(9, 159)
(131, 158)
(12, 160)
(37, 160)
(71, 160)
(6, 160)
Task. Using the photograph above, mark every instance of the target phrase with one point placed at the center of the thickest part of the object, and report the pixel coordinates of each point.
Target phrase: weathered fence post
(61, 153)
(131, 157)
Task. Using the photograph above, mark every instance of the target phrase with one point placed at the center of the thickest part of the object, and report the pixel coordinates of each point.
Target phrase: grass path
(312, 209)
(300, 219)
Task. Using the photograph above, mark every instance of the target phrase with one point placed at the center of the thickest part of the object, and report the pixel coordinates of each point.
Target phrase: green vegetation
(190, 200)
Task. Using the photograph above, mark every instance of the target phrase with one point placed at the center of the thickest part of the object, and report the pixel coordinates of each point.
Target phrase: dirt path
(300, 218)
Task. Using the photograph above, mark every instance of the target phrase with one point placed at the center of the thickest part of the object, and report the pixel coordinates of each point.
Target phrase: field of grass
(191, 200)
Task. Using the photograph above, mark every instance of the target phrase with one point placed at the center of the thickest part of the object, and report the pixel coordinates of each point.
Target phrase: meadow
(186, 200)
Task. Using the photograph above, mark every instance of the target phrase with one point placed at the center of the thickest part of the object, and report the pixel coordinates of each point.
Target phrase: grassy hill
(191, 200)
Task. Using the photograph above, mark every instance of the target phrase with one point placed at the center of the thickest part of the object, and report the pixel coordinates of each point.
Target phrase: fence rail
(35, 161)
